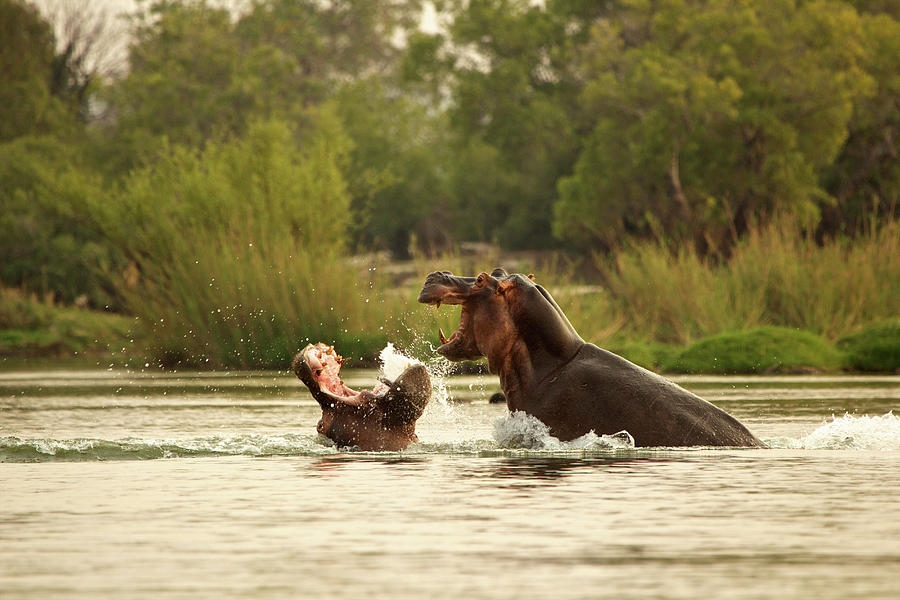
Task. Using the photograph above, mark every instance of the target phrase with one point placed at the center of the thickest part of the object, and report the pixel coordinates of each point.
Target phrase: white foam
(849, 433)
(520, 430)
(394, 362)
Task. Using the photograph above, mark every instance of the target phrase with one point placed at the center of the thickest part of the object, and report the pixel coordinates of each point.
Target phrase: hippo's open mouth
(443, 288)
(458, 340)
(403, 400)
(319, 367)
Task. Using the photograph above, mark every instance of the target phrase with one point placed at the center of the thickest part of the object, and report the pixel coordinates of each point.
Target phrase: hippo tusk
(443, 338)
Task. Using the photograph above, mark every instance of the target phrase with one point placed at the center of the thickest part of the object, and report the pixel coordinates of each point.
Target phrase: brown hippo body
(548, 371)
(383, 419)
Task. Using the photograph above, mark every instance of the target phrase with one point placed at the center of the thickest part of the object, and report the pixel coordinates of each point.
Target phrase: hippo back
(601, 391)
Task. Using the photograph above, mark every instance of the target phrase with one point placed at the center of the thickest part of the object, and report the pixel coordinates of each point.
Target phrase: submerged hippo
(381, 419)
(548, 371)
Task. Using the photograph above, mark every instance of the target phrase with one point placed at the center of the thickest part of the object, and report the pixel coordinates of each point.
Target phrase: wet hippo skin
(548, 371)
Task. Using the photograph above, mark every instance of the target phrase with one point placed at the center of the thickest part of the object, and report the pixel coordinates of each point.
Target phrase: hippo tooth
(443, 337)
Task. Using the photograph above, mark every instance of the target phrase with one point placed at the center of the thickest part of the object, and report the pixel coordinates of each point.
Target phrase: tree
(710, 115)
(198, 73)
(27, 102)
(865, 178)
(49, 244)
(397, 173)
(89, 48)
(513, 99)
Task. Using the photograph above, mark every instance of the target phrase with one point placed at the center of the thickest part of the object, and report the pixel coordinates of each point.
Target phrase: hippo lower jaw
(460, 345)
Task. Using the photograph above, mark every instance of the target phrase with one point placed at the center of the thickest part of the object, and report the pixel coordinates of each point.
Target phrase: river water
(123, 484)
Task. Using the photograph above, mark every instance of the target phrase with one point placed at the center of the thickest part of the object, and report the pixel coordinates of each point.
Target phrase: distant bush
(767, 349)
(874, 348)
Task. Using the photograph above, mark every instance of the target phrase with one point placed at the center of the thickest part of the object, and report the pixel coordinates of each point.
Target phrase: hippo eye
(480, 279)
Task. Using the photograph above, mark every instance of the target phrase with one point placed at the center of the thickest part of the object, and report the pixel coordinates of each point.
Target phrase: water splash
(848, 433)
(394, 362)
(520, 430)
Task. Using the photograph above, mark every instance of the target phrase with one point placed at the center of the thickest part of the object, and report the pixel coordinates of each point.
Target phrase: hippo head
(381, 419)
(501, 315)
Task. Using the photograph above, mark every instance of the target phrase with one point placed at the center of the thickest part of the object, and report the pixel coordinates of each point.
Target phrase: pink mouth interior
(325, 364)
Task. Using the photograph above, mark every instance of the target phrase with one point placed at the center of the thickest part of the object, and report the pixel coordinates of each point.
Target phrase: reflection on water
(140, 485)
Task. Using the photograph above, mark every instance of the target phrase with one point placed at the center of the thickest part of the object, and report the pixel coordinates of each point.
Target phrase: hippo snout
(443, 286)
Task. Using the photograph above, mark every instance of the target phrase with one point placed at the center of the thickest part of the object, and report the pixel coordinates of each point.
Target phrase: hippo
(548, 371)
(383, 419)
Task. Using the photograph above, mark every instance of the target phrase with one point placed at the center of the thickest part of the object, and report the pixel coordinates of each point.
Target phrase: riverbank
(35, 330)
(36, 333)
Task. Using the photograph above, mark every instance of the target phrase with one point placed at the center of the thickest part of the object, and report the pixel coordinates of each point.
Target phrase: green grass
(30, 328)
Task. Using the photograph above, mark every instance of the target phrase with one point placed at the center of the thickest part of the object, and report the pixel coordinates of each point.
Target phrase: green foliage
(763, 350)
(513, 91)
(50, 245)
(874, 348)
(395, 167)
(651, 356)
(754, 146)
(239, 250)
(198, 73)
(27, 105)
(865, 178)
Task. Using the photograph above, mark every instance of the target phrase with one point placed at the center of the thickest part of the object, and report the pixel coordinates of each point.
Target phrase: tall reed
(775, 276)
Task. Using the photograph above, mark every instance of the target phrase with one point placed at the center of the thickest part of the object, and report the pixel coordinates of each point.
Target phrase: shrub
(874, 348)
(766, 349)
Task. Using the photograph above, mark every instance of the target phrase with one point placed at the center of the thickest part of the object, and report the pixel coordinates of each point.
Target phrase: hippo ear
(531, 277)
(505, 285)
(499, 272)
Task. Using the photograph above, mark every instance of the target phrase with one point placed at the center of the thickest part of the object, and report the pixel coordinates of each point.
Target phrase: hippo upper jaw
(442, 287)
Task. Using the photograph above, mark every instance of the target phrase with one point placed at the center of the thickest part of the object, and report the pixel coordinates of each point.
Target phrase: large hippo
(381, 419)
(548, 371)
